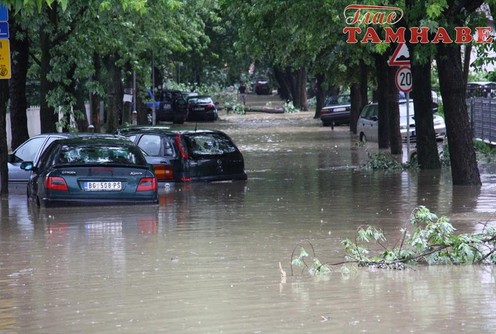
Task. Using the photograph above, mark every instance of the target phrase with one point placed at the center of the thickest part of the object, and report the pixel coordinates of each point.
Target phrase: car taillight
(56, 183)
(186, 179)
(182, 150)
(163, 172)
(147, 184)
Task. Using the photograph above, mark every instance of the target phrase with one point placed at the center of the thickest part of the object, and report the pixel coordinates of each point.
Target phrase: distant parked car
(201, 108)
(189, 155)
(368, 123)
(336, 110)
(32, 149)
(91, 171)
(170, 106)
(262, 86)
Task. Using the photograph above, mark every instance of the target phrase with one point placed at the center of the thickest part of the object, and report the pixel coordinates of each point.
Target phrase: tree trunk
(464, 169)
(4, 175)
(302, 89)
(48, 118)
(127, 108)
(358, 96)
(82, 119)
(427, 153)
(95, 99)
(355, 106)
(17, 90)
(114, 94)
(320, 95)
(297, 80)
(382, 89)
(284, 87)
(395, 139)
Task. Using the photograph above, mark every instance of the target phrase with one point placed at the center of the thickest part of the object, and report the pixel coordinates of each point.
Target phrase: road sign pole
(408, 126)
(404, 83)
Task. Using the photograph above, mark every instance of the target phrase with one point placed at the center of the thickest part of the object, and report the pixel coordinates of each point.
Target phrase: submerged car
(201, 108)
(336, 110)
(91, 171)
(32, 149)
(189, 155)
(368, 123)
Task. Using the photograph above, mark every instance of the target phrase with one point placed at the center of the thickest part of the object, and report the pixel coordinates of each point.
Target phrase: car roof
(96, 140)
(139, 128)
(75, 134)
(196, 97)
(162, 129)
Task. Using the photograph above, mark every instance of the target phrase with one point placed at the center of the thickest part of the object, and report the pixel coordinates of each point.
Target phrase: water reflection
(206, 258)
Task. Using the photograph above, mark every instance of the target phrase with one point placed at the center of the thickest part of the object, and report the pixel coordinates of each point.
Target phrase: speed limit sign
(403, 79)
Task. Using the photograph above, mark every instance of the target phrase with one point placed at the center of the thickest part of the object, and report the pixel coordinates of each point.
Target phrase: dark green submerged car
(91, 171)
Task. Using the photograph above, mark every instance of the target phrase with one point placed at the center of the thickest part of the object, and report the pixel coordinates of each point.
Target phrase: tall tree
(19, 46)
(464, 167)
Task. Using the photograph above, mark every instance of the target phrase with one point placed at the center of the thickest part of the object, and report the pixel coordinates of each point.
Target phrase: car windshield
(196, 100)
(209, 144)
(99, 154)
(369, 111)
(27, 151)
(339, 99)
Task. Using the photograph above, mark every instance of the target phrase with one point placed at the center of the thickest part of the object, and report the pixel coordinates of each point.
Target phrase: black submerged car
(189, 155)
(91, 171)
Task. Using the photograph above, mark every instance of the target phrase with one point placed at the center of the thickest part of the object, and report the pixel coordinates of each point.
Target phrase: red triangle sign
(401, 56)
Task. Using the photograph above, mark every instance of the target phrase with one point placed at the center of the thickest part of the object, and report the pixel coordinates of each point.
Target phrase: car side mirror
(27, 166)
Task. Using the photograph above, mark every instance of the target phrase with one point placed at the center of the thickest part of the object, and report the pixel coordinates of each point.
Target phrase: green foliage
(485, 152)
(435, 9)
(384, 161)
(289, 108)
(430, 240)
(315, 267)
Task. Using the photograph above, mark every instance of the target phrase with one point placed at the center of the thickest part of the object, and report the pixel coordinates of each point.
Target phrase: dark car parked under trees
(201, 109)
(336, 110)
(189, 155)
(170, 106)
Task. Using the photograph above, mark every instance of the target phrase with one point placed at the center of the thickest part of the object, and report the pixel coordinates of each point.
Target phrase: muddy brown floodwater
(206, 259)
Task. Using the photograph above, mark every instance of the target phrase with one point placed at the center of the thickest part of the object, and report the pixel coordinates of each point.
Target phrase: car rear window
(99, 154)
(209, 144)
(150, 144)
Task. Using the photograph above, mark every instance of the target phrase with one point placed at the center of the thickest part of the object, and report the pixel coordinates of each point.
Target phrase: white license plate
(198, 109)
(339, 109)
(166, 106)
(102, 186)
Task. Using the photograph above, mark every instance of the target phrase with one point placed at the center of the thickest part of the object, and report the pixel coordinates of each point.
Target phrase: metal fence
(482, 113)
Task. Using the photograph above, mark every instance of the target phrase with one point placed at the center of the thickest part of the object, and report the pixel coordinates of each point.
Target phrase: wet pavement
(207, 258)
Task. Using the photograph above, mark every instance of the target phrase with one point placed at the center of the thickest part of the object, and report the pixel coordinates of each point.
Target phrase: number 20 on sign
(403, 79)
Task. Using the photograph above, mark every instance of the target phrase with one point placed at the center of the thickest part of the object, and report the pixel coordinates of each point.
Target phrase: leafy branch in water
(385, 161)
(431, 240)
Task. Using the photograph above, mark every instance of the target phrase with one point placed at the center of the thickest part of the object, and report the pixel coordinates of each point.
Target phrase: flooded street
(206, 259)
